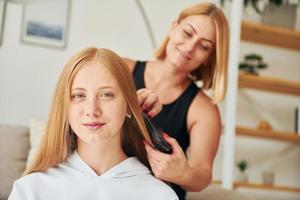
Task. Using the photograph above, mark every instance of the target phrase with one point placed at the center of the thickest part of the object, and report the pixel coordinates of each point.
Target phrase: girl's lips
(93, 125)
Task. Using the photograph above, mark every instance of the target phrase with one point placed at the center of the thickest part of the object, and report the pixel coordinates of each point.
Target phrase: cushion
(37, 129)
(14, 147)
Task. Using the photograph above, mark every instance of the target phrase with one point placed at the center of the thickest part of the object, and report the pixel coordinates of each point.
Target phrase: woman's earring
(128, 115)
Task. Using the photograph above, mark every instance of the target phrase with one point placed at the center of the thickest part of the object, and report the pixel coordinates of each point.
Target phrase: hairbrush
(156, 135)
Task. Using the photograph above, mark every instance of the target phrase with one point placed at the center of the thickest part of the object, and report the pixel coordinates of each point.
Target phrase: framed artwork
(2, 15)
(45, 23)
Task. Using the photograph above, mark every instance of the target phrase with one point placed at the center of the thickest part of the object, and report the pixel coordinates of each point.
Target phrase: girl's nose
(93, 108)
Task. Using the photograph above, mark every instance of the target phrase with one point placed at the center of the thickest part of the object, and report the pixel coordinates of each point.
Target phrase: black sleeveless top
(173, 117)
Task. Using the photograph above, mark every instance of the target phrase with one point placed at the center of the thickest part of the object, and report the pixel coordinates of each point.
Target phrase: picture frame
(46, 23)
(2, 16)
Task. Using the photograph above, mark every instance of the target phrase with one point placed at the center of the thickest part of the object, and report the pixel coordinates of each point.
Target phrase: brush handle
(156, 135)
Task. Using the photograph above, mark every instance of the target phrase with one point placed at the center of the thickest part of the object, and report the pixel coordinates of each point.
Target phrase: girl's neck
(101, 157)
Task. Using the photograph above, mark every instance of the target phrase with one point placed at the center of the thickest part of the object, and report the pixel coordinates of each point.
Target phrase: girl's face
(191, 42)
(97, 109)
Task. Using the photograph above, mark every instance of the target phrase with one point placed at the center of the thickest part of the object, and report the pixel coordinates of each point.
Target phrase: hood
(128, 168)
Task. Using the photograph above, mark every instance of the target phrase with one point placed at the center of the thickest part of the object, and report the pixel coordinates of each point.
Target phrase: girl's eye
(106, 95)
(77, 96)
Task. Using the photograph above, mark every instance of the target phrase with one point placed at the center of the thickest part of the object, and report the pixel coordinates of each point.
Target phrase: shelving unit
(259, 186)
(265, 187)
(270, 35)
(273, 135)
(269, 84)
(278, 37)
(264, 35)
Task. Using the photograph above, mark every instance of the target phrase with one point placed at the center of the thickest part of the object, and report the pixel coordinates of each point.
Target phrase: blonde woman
(93, 147)
(196, 48)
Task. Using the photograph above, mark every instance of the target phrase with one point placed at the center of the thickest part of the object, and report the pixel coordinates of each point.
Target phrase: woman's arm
(147, 99)
(149, 102)
(204, 124)
(195, 172)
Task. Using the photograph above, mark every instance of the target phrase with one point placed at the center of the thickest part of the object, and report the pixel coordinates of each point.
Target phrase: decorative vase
(283, 16)
(243, 177)
(268, 177)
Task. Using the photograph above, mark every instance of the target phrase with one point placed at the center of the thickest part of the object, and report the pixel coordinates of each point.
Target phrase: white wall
(28, 75)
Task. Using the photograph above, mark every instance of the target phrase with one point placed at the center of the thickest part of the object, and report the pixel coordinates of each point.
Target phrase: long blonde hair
(58, 141)
(214, 74)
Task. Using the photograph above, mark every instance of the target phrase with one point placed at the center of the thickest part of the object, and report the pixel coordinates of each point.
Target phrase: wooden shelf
(261, 186)
(269, 84)
(274, 135)
(270, 35)
(265, 187)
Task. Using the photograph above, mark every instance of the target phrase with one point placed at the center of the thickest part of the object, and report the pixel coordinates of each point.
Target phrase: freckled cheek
(74, 114)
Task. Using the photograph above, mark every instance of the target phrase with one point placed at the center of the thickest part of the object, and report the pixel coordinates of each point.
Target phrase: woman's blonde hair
(59, 140)
(214, 74)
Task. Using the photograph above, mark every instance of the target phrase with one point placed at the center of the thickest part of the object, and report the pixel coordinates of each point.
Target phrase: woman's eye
(187, 33)
(204, 46)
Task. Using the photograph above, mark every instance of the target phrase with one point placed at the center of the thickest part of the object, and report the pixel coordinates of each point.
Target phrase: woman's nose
(189, 46)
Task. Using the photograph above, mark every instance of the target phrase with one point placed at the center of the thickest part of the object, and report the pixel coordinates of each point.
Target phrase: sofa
(14, 149)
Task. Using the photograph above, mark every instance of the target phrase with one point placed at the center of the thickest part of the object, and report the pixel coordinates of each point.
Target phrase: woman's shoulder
(203, 100)
(203, 105)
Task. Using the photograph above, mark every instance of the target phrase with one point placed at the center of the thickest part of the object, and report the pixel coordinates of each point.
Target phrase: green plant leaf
(276, 2)
(253, 57)
(243, 66)
(262, 66)
(242, 165)
(254, 4)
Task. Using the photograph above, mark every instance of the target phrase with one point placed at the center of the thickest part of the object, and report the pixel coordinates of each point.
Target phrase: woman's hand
(149, 101)
(168, 167)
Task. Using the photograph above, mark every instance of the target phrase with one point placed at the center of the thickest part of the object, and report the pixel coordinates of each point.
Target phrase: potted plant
(252, 63)
(242, 166)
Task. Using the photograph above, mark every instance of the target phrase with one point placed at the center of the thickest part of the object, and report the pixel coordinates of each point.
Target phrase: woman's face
(191, 42)
(97, 109)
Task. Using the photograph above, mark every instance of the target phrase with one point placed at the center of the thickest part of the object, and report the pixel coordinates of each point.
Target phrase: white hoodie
(74, 179)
